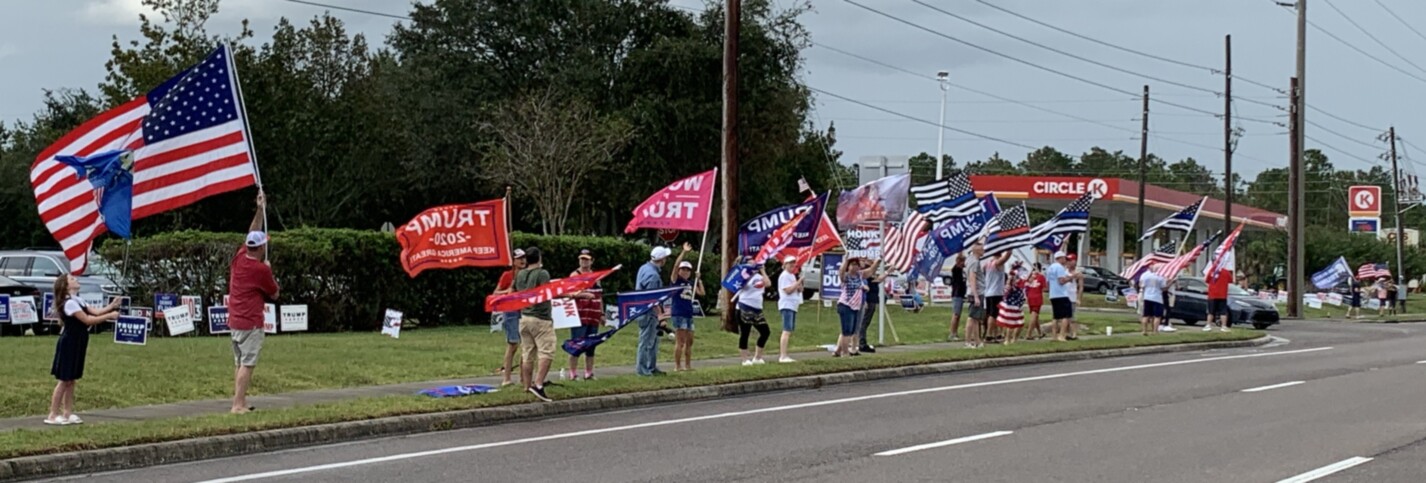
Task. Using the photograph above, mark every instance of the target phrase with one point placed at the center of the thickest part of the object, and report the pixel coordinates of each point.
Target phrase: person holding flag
(510, 321)
(681, 310)
(850, 304)
(750, 317)
(1034, 286)
(537, 328)
(1152, 286)
(1218, 274)
(1064, 282)
(647, 357)
(590, 303)
(251, 285)
(789, 297)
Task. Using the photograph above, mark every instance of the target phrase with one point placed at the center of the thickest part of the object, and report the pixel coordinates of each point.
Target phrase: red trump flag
(684, 205)
(450, 236)
(556, 288)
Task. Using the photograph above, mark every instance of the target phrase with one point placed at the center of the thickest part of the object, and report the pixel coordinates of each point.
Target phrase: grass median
(93, 436)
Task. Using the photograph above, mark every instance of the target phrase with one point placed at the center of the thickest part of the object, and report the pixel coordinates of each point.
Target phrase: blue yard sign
(218, 320)
(831, 276)
(131, 330)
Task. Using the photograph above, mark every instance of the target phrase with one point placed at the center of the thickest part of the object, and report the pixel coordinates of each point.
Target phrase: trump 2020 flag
(756, 232)
(684, 205)
(1333, 275)
(183, 141)
(450, 236)
(544, 293)
(884, 199)
(953, 237)
(633, 305)
(739, 276)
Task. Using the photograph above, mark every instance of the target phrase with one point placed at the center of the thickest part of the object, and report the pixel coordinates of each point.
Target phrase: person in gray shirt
(975, 288)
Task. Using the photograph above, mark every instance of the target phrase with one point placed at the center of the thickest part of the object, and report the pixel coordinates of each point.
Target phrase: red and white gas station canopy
(1051, 193)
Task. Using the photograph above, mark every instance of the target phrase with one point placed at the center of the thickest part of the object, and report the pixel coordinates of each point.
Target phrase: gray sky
(64, 43)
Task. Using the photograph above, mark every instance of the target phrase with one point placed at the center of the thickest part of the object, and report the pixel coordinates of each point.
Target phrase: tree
(923, 168)
(547, 144)
(996, 165)
(1048, 161)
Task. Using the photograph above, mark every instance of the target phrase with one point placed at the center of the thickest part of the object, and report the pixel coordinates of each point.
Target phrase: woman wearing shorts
(958, 296)
(1034, 286)
(591, 316)
(853, 299)
(682, 310)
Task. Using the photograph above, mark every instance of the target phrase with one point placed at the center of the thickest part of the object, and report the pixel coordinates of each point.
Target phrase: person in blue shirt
(682, 310)
(646, 359)
(1064, 283)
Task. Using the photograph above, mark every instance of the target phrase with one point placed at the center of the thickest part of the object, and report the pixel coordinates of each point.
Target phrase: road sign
(668, 235)
(1364, 225)
(1364, 201)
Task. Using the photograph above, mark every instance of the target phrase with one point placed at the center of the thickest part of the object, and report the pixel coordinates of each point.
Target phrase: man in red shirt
(1218, 301)
(250, 287)
(510, 321)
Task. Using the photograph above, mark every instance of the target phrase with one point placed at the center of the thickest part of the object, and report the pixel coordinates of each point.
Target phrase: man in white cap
(250, 287)
(1064, 285)
(789, 296)
(647, 357)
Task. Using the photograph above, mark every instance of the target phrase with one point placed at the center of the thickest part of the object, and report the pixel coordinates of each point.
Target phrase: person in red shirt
(251, 287)
(1034, 286)
(1218, 301)
(591, 316)
(510, 321)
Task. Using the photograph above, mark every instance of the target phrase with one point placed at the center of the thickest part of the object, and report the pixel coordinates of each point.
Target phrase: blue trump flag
(110, 173)
(632, 305)
(739, 276)
(1332, 275)
(928, 260)
(952, 237)
(753, 234)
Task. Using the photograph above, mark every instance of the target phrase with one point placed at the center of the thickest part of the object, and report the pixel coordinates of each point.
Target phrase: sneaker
(56, 421)
(748, 362)
(1208, 327)
(1167, 328)
(869, 349)
(1225, 329)
(759, 361)
(539, 392)
(74, 419)
(589, 376)
(785, 360)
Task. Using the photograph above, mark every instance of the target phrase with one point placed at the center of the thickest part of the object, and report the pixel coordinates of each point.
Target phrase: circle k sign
(1096, 187)
(1364, 200)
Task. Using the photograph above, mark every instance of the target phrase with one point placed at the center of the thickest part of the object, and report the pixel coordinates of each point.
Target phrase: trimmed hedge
(348, 278)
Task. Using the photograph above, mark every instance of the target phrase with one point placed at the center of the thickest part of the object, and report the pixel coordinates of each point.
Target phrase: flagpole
(1183, 241)
(248, 137)
(698, 268)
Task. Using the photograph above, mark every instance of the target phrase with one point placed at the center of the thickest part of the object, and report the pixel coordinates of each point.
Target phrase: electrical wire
(1344, 152)
(922, 121)
(1360, 51)
(1399, 19)
(1343, 136)
(349, 9)
(1369, 35)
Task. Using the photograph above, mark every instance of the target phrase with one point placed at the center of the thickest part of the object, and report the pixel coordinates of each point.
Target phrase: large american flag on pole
(1373, 270)
(947, 198)
(1164, 254)
(188, 140)
(900, 249)
(1222, 257)
(1171, 269)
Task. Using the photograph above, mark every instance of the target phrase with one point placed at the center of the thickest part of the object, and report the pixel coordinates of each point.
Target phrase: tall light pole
(944, 78)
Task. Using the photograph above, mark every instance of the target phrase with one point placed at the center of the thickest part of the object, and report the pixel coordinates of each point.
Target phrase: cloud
(113, 12)
(7, 50)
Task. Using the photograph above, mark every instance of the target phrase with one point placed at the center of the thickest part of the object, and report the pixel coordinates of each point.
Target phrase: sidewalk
(285, 400)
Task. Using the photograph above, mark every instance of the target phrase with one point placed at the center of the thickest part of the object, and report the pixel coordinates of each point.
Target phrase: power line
(1129, 50)
(349, 9)
(1343, 136)
(1369, 35)
(1363, 52)
(1344, 152)
(923, 121)
(1025, 62)
(1348, 121)
(1064, 53)
(1399, 19)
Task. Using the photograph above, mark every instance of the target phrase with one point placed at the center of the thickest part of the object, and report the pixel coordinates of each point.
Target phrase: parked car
(1190, 304)
(15, 288)
(39, 268)
(1101, 280)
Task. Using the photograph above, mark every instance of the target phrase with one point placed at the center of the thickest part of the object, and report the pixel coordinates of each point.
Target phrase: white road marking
(966, 439)
(709, 417)
(1421, 362)
(1274, 386)
(1326, 470)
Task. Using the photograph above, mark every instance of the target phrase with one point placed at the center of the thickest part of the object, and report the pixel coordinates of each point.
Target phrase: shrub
(348, 278)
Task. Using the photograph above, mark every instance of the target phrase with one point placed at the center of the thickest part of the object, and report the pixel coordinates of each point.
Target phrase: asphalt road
(1332, 393)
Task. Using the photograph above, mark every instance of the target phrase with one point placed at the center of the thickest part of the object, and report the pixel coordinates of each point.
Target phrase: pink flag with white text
(684, 205)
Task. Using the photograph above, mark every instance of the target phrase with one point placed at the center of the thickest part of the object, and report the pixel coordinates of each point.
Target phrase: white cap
(659, 253)
(789, 259)
(685, 265)
(1059, 255)
(256, 239)
(518, 253)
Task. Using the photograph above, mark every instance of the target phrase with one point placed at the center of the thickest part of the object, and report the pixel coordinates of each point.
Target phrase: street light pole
(944, 78)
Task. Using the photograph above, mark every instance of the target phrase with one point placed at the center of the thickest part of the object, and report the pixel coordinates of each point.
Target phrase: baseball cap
(256, 239)
(659, 253)
(1071, 257)
(789, 259)
(1059, 255)
(518, 253)
(685, 265)
(585, 253)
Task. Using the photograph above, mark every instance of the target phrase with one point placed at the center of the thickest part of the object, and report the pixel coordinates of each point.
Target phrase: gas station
(1117, 199)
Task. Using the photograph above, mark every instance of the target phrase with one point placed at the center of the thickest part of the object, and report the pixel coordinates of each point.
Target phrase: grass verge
(94, 436)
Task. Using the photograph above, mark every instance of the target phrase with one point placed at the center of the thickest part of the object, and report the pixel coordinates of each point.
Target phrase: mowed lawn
(194, 368)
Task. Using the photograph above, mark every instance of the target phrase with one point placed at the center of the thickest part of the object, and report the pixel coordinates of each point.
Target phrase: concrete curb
(145, 455)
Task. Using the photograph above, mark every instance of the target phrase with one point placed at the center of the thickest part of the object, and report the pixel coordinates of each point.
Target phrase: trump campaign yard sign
(450, 236)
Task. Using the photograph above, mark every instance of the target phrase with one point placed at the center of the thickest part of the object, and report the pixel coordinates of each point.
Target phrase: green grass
(195, 368)
(92, 436)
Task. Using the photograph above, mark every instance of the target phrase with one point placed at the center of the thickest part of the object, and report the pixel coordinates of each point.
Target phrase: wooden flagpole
(698, 268)
(252, 148)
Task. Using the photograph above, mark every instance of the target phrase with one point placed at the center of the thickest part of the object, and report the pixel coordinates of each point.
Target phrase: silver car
(39, 269)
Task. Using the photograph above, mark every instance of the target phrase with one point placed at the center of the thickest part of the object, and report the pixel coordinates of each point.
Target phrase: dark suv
(1101, 280)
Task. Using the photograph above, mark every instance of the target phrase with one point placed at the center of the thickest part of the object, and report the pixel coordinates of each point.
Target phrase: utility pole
(1294, 205)
(1143, 167)
(731, 27)
(1296, 235)
(1396, 211)
(944, 78)
(1228, 186)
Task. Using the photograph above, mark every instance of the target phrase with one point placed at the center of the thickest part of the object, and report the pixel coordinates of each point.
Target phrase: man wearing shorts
(958, 296)
(1152, 287)
(975, 288)
(250, 287)
(1063, 285)
(510, 321)
(537, 328)
(994, 285)
(1218, 301)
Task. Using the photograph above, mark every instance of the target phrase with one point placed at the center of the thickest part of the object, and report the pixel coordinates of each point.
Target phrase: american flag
(1182, 221)
(1072, 219)
(1222, 257)
(900, 251)
(1011, 313)
(803, 187)
(1010, 230)
(1164, 254)
(1373, 270)
(1170, 270)
(948, 198)
(188, 139)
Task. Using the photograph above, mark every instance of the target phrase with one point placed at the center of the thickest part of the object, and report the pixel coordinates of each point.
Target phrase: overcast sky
(46, 44)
